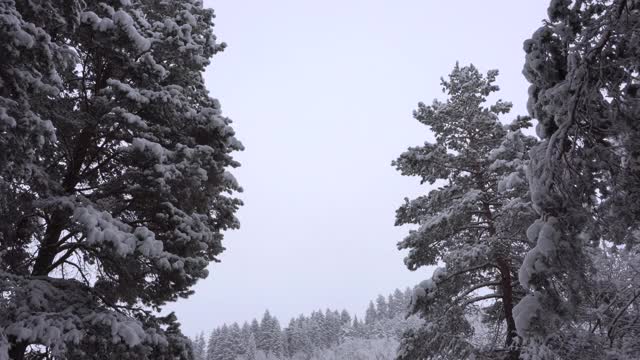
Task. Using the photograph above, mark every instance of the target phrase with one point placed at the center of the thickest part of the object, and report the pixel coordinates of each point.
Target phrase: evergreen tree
(213, 344)
(298, 340)
(474, 223)
(382, 308)
(199, 347)
(371, 315)
(408, 296)
(583, 68)
(114, 182)
(305, 345)
(255, 328)
(291, 334)
(262, 336)
(245, 332)
(345, 318)
(332, 327)
(235, 342)
(357, 328)
(397, 304)
(316, 324)
(224, 350)
(251, 348)
(270, 338)
(391, 307)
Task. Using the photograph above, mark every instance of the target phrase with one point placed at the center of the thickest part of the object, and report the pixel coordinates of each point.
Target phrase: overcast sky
(321, 95)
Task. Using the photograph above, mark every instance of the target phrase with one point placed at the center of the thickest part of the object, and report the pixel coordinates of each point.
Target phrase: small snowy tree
(370, 315)
(199, 347)
(251, 348)
(236, 344)
(583, 68)
(345, 317)
(382, 307)
(474, 222)
(213, 343)
(270, 339)
(114, 182)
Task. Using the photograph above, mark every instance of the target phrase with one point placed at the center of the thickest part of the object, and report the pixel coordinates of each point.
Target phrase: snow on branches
(114, 174)
(473, 223)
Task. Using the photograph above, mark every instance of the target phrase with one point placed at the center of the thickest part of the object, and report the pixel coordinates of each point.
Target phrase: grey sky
(321, 94)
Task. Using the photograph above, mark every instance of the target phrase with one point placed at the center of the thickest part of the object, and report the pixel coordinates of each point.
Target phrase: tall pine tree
(474, 222)
(114, 182)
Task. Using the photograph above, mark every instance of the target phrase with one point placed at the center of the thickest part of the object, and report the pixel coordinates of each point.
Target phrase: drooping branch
(480, 298)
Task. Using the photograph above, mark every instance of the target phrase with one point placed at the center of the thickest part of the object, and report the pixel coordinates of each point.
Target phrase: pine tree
(357, 327)
(236, 344)
(371, 315)
(213, 344)
(397, 305)
(270, 338)
(345, 318)
(199, 347)
(222, 351)
(333, 327)
(263, 336)
(305, 342)
(391, 307)
(251, 348)
(382, 308)
(474, 222)
(583, 68)
(298, 341)
(316, 325)
(114, 182)
(255, 328)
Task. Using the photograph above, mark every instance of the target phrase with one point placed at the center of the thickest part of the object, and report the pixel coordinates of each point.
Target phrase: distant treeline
(307, 336)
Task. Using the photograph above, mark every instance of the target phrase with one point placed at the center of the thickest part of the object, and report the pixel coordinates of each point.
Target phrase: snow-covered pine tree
(270, 338)
(583, 68)
(391, 306)
(291, 332)
(262, 338)
(297, 337)
(255, 328)
(305, 344)
(345, 318)
(199, 347)
(251, 348)
(245, 332)
(222, 350)
(315, 325)
(474, 222)
(346, 329)
(332, 327)
(213, 343)
(370, 315)
(382, 307)
(114, 182)
(236, 344)
(357, 326)
(397, 303)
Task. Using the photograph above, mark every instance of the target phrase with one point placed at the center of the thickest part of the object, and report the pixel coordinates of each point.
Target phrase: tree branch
(480, 298)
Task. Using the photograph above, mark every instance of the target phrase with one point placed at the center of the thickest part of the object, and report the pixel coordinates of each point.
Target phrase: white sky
(321, 94)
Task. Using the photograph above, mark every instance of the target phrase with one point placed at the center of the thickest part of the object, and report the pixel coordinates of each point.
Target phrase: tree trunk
(17, 350)
(504, 267)
(507, 305)
(57, 223)
(49, 249)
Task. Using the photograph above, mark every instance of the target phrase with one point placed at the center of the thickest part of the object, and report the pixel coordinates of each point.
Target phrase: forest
(117, 189)
(328, 334)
